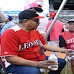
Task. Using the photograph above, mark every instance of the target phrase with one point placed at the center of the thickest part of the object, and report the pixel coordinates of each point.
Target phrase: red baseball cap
(52, 14)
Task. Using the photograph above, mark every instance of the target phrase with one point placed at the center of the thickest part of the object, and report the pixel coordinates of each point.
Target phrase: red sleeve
(42, 39)
(9, 43)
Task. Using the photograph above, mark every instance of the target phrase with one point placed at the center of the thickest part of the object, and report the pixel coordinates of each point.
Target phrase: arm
(57, 49)
(53, 48)
(20, 61)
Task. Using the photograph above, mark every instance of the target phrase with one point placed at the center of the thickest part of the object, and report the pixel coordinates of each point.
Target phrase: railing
(64, 12)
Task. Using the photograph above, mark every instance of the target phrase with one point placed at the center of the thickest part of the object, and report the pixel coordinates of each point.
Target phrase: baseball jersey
(15, 41)
(56, 30)
(66, 39)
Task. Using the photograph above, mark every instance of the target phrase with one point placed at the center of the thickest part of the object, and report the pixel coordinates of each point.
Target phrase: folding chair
(2, 67)
(67, 62)
(66, 70)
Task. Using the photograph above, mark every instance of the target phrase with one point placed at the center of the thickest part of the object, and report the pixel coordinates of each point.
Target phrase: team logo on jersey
(29, 45)
(70, 41)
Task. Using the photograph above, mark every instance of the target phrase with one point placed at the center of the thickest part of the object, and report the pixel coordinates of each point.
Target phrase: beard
(31, 29)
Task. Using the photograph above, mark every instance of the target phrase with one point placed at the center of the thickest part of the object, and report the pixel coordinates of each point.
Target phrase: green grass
(63, 71)
(69, 69)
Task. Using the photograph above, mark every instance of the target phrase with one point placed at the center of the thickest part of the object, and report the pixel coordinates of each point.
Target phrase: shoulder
(36, 31)
(59, 22)
(11, 30)
(64, 33)
(11, 23)
(15, 28)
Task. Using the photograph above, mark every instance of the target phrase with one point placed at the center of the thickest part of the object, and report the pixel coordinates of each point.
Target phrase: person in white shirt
(3, 16)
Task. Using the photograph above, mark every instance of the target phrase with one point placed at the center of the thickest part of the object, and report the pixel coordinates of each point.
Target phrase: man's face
(32, 24)
(71, 26)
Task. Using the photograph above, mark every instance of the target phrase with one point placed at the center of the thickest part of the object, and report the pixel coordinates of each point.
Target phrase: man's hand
(69, 52)
(47, 64)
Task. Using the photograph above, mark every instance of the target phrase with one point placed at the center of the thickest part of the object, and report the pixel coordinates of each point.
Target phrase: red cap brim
(38, 17)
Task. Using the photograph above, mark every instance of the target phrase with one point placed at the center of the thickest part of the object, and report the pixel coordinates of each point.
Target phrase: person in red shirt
(53, 39)
(20, 46)
(66, 40)
(41, 27)
(56, 30)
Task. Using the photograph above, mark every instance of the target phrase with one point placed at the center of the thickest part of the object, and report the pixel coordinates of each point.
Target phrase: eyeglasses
(71, 23)
(36, 20)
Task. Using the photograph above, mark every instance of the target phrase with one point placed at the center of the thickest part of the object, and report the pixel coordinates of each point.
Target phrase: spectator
(56, 30)
(20, 46)
(7, 24)
(66, 40)
(3, 17)
(41, 27)
(53, 39)
(43, 21)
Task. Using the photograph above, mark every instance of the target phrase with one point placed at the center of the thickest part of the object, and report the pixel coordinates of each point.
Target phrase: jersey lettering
(70, 41)
(29, 45)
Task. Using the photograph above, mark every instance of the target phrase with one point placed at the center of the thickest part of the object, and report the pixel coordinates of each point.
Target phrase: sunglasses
(36, 20)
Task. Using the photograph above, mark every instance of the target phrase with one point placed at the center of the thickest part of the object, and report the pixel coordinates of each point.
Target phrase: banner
(35, 3)
(32, 3)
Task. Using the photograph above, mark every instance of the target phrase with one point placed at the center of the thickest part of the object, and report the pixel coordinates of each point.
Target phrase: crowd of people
(23, 44)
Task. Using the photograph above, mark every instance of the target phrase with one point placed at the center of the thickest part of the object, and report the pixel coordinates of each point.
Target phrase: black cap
(70, 20)
(37, 9)
(27, 14)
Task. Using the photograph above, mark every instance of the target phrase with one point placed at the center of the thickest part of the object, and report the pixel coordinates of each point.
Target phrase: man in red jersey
(66, 40)
(20, 46)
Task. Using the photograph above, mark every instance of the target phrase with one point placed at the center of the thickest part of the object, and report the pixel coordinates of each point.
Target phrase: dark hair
(37, 9)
